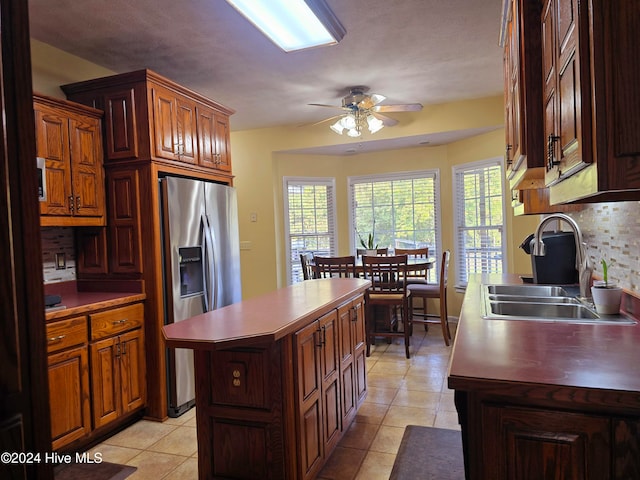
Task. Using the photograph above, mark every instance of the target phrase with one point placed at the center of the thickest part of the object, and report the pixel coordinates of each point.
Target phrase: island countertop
(266, 318)
(601, 357)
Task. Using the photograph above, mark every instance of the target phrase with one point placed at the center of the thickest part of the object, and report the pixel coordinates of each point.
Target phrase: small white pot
(607, 299)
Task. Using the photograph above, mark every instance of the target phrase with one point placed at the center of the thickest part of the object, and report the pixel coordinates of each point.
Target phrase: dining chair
(306, 260)
(415, 275)
(379, 251)
(437, 291)
(332, 267)
(388, 290)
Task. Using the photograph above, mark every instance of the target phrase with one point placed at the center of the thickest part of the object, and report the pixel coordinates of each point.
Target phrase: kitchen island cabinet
(545, 399)
(269, 378)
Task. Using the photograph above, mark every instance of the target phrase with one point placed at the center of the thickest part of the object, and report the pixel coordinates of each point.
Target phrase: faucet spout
(582, 260)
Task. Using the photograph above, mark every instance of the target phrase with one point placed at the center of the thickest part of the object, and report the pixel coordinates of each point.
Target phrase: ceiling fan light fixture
(293, 24)
(374, 124)
(353, 132)
(349, 122)
(337, 127)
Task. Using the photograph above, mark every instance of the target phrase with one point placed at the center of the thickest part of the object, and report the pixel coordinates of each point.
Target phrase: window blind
(479, 219)
(309, 221)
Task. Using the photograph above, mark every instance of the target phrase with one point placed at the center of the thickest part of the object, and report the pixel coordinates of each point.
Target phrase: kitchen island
(279, 378)
(545, 399)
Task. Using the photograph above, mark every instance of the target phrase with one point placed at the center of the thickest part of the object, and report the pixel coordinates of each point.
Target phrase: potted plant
(370, 247)
(606, 296)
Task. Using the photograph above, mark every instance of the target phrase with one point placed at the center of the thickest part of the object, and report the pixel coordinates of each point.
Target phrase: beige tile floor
(401, 392)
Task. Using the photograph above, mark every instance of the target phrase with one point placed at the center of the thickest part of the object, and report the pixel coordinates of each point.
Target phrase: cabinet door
(529, 443)
(213, 139)
(307, 344)
(52, 143)
(223, 148)
(565, 89)
(187, 150)
(347, 366)
(124, 221)
(86, 165)
(132, 370)
(165, 123)
(359, 350)
(330, 372)
(105, 377)
(69, 396)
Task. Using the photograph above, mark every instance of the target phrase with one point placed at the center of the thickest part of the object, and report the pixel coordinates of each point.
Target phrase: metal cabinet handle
(77, 202)
(71, 205)
(119, 322)
(56, 339)
(551, 151)
(508, 159)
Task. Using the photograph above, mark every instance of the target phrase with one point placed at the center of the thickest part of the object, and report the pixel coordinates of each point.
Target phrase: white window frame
(459, 227)
(328, 182)
(435, 175)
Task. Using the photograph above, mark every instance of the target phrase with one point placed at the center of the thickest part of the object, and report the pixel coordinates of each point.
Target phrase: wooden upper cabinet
(524, 150)
(69, 138)
(592, 99)
(148, 117)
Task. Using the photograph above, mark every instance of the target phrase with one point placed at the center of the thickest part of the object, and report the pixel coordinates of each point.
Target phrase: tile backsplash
(612, 231)
(58, 240)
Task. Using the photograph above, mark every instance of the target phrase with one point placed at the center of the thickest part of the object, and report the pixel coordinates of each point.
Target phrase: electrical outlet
(61, 261)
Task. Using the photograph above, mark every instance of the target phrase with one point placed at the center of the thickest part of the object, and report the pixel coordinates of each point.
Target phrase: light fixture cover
(293, 24)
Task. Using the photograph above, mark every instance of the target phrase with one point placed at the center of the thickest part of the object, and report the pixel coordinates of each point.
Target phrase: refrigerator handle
(207, 270)
(213, 263)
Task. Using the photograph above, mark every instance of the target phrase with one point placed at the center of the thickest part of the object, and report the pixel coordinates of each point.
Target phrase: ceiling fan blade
(337, 107)
(388, 121)
(321, 121)
(376, 98)
(407, 107)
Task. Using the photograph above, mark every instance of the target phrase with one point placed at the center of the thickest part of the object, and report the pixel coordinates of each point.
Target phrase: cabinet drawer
(66, 333)
(117, 320)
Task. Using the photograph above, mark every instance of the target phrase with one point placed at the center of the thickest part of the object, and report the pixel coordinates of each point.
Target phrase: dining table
(414, 264)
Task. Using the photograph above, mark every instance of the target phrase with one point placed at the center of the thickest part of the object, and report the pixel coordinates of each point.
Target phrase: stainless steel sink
(548, 303)
(528, 290)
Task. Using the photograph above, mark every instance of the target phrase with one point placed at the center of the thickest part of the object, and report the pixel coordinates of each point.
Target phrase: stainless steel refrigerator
(201, 256)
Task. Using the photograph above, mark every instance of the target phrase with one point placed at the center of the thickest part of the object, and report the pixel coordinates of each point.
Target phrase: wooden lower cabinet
(69, 396)
(94, 383)
(318, 390)
(537, 443)
(118, 376)
(352, 357)
(571, 439)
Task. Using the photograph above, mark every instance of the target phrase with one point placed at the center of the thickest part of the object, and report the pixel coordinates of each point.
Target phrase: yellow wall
(260, 163)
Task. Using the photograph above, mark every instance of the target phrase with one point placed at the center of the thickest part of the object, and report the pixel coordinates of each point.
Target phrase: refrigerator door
(224, 255)
(183, 213)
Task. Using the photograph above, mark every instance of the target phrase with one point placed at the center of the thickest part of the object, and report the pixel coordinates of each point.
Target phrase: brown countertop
(77, 302)
(265, 318)
(601, 357)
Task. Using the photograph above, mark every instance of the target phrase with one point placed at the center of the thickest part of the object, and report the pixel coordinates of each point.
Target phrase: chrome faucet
(582, 260)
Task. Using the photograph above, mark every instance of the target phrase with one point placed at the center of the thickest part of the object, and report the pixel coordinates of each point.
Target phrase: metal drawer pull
(56, 339)
(120, 322)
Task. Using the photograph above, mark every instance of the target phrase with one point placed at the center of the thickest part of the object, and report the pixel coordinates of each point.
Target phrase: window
(479, 219)
(400, 210)
(309, 220)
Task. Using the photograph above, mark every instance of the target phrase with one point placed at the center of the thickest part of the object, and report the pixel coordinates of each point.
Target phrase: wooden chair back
(415, 275)
(306, 260)
(335, 267)
(379, 251)
(387, 274)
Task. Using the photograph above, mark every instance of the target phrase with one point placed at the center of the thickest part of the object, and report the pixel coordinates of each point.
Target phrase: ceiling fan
(362, 109)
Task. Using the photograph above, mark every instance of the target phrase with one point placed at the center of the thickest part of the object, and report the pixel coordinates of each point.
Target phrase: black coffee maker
(558, 266)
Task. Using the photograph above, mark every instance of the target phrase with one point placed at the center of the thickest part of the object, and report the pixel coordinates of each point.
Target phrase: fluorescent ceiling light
(293, 24)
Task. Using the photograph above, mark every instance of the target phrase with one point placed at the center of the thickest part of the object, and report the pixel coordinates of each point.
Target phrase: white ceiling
(411, 51)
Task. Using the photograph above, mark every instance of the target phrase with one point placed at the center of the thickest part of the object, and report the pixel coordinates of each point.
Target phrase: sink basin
(528, 290)
(548, 303)
(542, 310)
